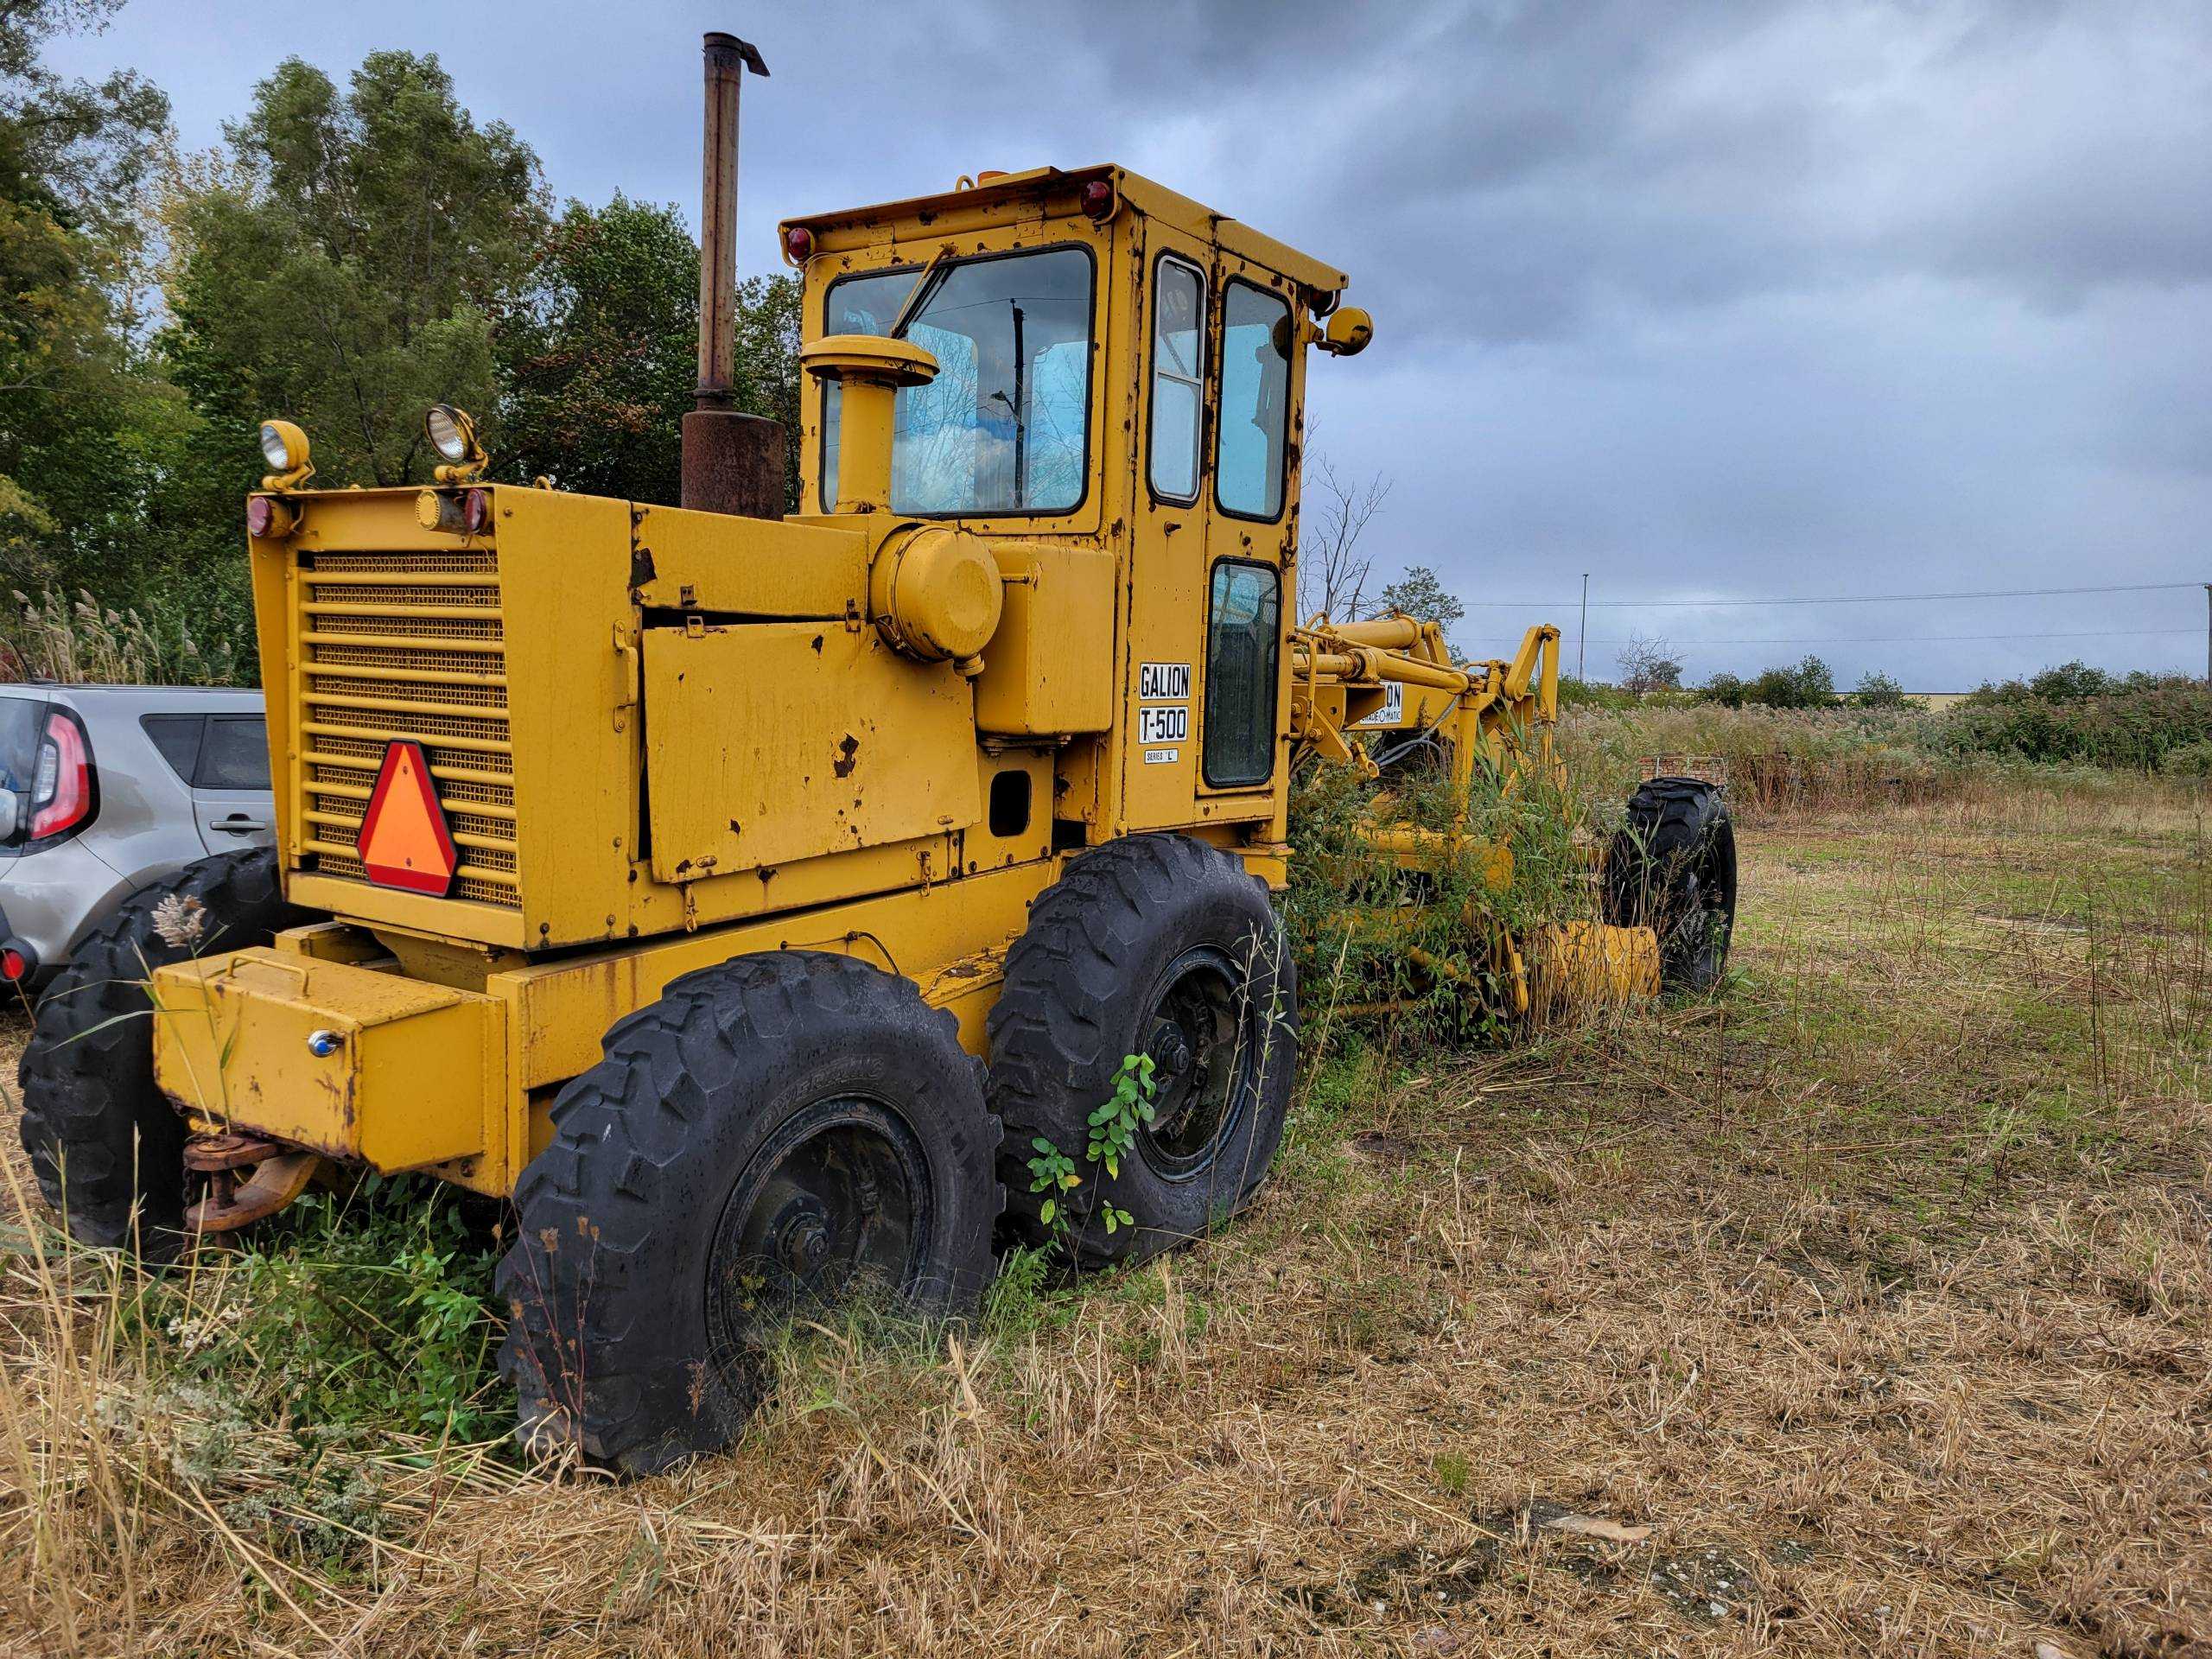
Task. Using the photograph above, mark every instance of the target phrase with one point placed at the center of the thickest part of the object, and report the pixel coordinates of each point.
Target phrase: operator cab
(1118, 368)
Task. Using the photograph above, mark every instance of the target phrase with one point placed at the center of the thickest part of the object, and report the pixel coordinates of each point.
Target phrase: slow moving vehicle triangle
(404, 840)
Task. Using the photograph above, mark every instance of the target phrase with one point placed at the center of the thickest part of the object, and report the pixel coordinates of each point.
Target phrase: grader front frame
(755, 902)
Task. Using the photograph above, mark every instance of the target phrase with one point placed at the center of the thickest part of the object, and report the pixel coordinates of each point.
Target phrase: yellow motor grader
(753, 899)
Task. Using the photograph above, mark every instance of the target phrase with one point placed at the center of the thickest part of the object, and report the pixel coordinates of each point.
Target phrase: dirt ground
(1864, 1309)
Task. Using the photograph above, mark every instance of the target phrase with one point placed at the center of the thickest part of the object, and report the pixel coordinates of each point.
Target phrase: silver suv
(105, 789)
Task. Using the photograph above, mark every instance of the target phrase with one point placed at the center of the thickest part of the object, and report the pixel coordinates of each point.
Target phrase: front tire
(1157, 944)
(777, 1133)
(106, 1146)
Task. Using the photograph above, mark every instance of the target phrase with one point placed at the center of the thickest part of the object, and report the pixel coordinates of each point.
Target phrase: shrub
(1877, 691)
(2132, 724)
(1417, 947)
(2189, 761)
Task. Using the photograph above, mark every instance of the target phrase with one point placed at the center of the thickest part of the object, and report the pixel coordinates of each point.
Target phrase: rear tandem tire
(106, 1146)
(767, 1134)
(1672, 867)
(1154, 943)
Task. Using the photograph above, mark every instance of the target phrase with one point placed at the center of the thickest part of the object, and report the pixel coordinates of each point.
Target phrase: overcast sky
(1728, 300)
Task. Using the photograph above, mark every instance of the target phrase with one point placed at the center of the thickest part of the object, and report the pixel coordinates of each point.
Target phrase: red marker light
(61, 793)
(799, 245)
(12, 965)
(1097, 199)
(260, 513)
(476, 511)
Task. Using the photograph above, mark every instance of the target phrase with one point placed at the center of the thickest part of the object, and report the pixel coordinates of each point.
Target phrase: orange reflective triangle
(405, 841)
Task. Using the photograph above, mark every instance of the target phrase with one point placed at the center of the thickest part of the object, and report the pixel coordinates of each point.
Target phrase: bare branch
(1333, 575)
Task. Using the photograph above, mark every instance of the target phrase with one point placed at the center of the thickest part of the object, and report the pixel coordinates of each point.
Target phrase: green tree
(599, 360)
(1879, 691)
(82, 416)
(1724, 688)
(1809, 685)
(1418, 594)
(767, 362)
(2071, 682)
(349, 275)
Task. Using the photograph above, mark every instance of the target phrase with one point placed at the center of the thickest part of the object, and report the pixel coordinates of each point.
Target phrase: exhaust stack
(732, 462)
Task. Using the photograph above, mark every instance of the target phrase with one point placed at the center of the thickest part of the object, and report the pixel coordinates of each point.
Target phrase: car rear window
(235, 753)
(20, 722)
(177, 736)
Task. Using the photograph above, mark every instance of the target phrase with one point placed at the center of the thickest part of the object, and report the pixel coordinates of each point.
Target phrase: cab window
(1255, 402)
(1178, 313)
(1243, 643)
(1003, 427)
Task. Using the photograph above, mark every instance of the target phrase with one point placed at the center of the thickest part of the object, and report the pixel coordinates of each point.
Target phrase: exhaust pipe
(732, 462)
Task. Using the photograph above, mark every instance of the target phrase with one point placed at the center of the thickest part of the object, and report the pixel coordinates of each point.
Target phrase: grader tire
(773, 1135)
(106, 1146)
(1154, 943)
(1672, 867)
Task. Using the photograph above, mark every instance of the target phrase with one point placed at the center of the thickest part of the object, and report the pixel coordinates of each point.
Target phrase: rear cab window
(1248, 461)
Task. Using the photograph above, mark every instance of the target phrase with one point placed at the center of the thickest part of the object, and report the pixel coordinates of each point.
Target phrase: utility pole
(2208, 634)
(1582, 631)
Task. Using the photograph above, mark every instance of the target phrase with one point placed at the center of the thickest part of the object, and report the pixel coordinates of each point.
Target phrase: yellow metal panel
(1049, 670)
(717, 562)
(1017, 196)
(925, 933)
(413, 1079)
(572, 662)
(359, 901)
(1579, 962)
(276, 624)
(774, 741)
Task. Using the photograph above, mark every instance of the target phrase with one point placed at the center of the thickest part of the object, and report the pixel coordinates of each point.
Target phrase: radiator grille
(408, 644)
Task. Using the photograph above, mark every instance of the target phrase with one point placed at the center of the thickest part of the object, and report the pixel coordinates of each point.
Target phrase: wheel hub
(1200, 1056)
(1170, 1052)
(837, 1201)
(799, 1241)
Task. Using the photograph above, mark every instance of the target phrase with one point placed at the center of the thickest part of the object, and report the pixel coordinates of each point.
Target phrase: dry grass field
(1864, 1309)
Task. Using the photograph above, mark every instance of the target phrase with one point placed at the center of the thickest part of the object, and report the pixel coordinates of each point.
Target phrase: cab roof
(1006, 197)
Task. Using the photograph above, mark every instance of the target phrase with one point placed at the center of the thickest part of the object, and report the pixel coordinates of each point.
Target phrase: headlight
(284, 446)
(451, 433)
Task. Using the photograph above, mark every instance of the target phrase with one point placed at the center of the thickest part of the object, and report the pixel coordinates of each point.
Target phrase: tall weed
(79, 642)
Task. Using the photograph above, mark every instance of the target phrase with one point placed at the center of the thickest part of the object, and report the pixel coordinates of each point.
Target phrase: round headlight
(448, 431)
(276, 448)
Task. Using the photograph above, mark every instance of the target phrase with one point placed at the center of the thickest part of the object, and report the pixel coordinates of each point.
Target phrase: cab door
(1167, 584)
(1250, 537)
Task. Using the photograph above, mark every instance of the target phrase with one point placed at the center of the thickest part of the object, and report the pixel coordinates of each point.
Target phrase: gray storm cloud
(1706, 299)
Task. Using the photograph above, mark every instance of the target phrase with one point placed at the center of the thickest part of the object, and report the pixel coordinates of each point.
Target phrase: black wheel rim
(835, 1207)
(1202, 1037)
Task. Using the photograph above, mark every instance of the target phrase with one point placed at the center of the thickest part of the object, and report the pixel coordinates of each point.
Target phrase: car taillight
(61, 792)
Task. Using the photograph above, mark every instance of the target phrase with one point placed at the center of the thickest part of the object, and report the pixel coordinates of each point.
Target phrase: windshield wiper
(925, 289)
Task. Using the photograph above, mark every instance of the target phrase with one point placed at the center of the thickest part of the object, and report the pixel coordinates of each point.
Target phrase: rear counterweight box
(360, 1065)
